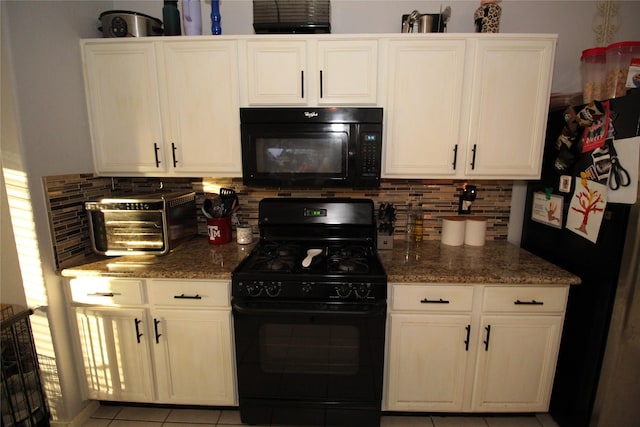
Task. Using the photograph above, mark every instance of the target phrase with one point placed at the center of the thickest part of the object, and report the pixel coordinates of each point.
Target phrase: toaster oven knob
(273, 289)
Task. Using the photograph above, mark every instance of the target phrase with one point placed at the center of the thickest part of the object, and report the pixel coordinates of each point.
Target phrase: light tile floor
(134, 416)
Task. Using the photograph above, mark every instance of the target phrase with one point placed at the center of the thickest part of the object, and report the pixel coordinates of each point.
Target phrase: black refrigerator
(597, 260)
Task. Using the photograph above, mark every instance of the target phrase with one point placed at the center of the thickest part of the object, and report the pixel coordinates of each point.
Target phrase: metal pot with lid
(124, 23)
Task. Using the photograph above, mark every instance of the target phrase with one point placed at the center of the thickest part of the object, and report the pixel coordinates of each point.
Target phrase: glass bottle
(418, 219)
(411, 224)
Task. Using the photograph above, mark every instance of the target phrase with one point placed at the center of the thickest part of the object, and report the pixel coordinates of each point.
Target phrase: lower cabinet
(515, 363)
(115, 353)
(472, 348)
(174, 347)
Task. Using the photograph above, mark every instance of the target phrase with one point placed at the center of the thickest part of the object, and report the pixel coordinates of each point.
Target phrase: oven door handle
(373, 309)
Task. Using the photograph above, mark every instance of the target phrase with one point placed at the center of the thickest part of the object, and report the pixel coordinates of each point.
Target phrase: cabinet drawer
(515, 299)
(107, 291)
(189, 293)
(432, 298)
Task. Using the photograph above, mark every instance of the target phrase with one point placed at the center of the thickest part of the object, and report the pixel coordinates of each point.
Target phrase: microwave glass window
(323, 154)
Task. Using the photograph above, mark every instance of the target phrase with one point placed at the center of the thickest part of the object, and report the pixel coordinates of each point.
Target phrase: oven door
(309, 362)
(122, 232)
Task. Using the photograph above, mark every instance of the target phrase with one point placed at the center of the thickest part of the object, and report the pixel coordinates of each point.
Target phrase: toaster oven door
(129, 232)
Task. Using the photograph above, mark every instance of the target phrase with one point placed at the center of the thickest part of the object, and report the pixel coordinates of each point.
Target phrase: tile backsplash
(66, 195)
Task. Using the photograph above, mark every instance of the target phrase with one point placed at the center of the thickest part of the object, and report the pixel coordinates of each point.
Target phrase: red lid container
(619, 56)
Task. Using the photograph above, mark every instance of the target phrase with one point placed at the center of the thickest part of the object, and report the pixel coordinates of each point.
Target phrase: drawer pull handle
(434, 301)
(532, 302)
(486, 342)
(103, 294)
(183, 296)
(155, 327)
(138, 333)
(466, 342)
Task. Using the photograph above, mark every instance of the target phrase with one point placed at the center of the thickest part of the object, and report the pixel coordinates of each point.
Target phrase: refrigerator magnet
(547, 209)
(565, 184)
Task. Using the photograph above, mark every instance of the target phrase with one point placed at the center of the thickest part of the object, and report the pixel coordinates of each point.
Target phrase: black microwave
(311, 147)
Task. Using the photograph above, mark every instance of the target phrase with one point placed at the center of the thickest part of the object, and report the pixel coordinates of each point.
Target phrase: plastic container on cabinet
(619, 56)
(593, 65)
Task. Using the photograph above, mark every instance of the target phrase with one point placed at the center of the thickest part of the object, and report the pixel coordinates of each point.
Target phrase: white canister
(475, 231)
(244, 234)
(453, 230)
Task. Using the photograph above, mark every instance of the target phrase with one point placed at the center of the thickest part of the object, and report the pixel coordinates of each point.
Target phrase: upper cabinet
(456, 106)
(163, 107)
(312, 71)
(422, 127)
(509, 100)
(462, 106)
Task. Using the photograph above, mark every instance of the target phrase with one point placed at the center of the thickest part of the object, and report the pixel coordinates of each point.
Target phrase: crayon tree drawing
(587, 208)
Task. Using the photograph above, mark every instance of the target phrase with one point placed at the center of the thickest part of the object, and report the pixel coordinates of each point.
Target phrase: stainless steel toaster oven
(141, 224)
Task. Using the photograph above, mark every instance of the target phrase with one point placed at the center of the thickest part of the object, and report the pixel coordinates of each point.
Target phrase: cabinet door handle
(532, 302)
(183, 296)
(455, 156)
(155, 327)
(473, 157)
(155, 152)
(102, 294)
(173, 152)
(302, 83)
(434, 301)
(321, 85)
(486, 342)
(138, 333)
(466, 342)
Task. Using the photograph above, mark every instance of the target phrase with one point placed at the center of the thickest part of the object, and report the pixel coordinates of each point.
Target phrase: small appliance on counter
(143, 224)
(125, 23)
(416, 22)
(291, 16)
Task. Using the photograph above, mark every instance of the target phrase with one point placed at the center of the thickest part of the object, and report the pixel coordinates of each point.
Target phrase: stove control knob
(343, 290)
(306, 288)
(273, 288)
(253, 288)
(363, 290)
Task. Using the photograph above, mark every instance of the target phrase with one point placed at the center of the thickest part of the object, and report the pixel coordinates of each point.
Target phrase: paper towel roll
(475, 231)
(453, 230)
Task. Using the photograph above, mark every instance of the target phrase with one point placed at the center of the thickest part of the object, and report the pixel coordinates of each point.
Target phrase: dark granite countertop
(428, 261)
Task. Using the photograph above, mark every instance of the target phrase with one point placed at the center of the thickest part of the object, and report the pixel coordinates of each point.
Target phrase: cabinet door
(124, 114)
(194, 359)
(348, 72)
(511, 83)
(115, 349)
(200, 106)
(277, 72)
(515, 368)
(427, 362)
(425, 81)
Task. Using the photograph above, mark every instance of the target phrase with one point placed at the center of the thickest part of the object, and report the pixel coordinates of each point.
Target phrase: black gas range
(309, 307)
